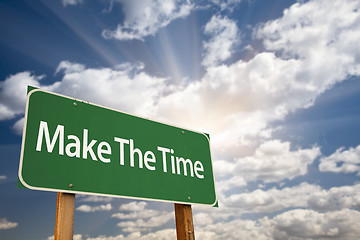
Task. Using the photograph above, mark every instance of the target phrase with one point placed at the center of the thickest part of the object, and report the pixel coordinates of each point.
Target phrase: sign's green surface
(74, 146)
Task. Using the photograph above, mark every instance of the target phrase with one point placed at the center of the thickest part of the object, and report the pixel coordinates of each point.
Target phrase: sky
(274, 83)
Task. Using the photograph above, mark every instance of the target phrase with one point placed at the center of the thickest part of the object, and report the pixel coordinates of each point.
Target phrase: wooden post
(184, 222)
(64, 223)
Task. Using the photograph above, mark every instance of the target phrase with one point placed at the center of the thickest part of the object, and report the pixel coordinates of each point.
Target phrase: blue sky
(274, 83)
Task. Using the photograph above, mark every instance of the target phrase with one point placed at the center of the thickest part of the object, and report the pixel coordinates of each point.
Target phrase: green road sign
(74, 146)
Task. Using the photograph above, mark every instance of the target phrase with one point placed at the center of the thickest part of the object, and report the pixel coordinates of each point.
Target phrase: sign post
(64, 223)
(184, 222)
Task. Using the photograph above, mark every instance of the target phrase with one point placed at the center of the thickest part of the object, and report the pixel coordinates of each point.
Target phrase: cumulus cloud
(88, 208)
(98, 84)
(235, 103)
(330, 29)
(106, 86)
(69, 67)
(13, 93)
(164, 234)
(238, 102)
(139, 218)
(309, 224)
(18, 126)
(247, 94)
(3, 178)
(335, 198)
(236, 205)
(133, 206)
(308, 50)
(342, 161)
(6, 224)
(273, 199)
(145, 224)
(273, 161)
(304, 195)
(136, 214)
(295, 224)
(223, 34)
(144, 18)
(91, 198)
(231, 183)
(247, 229)
(75, 237)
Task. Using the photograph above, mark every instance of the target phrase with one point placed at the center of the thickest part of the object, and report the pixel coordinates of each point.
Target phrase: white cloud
(139, 218)
(223, 168)
(309, 224)
(304, 195)
(342, 161)
(235, 205)
(295, 224)
(92, 198)
(133, 206)
(2, 178)
(229, 184)
(202, 219)
(71, 2)
(310, 49)
(224, 35)
(109, 87)
(246, 229)
(273, 199)
(126, 88)
(144, 18)
(5, 224)
(233, 103)
(13, 93)
(335, 198)
(273, 161)
(164, 234)
(88, 208)
(69, 67)
(144, 224)
(19, 126)
(248, 94)
(323, 36)
(146, 213)
(236, 103)
(75, 237)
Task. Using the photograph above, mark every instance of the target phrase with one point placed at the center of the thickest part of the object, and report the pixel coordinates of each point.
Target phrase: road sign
(77, 147)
